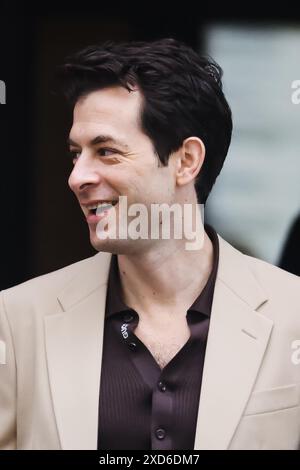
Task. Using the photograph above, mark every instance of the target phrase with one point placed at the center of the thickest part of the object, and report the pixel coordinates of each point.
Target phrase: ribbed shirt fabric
(141, 406)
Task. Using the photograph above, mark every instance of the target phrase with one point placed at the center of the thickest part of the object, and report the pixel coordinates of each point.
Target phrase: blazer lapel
(74, 353)
(237, 339)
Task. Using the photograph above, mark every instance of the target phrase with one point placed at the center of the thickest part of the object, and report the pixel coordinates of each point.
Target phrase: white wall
(258, 192)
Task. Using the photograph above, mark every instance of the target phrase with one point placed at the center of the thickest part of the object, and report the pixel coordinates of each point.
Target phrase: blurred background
(255, 203)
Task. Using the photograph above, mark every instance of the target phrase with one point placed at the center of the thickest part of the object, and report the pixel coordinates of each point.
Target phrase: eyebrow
(100, 139)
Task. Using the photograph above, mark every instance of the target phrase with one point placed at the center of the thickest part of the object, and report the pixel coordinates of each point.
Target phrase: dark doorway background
(41, 225)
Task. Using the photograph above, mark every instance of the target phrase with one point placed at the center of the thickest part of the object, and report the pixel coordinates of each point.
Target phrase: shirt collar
(203, 303)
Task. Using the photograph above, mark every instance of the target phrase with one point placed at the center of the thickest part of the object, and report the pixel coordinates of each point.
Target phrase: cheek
(142, 180)
(128, 177)
(163, 180)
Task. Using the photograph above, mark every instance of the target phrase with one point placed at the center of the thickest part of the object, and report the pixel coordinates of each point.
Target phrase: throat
(163, 343)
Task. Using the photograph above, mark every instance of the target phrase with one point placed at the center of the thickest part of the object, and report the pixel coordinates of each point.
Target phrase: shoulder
(274, 278)
(234, 264)
(44, 288)
(272, 290)
(282, 291)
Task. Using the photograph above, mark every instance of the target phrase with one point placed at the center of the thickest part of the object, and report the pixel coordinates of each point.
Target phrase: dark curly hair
(182, 94)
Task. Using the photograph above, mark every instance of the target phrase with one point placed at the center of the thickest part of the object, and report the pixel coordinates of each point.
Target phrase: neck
(165, 279)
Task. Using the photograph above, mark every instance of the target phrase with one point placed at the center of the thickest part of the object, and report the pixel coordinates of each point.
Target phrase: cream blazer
(51, 331)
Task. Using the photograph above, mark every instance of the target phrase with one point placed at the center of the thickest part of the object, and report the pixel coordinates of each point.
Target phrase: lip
(85, 204)
(94, 201)
(94, 218)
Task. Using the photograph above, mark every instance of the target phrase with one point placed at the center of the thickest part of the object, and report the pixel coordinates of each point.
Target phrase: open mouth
(101, 207)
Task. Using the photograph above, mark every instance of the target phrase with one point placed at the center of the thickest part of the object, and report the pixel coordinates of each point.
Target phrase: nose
(83, 175)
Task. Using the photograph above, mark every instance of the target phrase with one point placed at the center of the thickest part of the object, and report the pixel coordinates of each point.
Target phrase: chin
(116, 246)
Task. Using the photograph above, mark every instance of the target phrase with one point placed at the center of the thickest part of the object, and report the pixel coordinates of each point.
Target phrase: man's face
(113, 158)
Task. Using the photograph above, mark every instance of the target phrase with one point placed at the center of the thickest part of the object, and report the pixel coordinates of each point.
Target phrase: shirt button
(132, 346)
(128, 317)
(160, 433)
(161, 386)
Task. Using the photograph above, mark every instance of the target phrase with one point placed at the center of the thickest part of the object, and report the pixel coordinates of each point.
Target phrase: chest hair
(163, 342)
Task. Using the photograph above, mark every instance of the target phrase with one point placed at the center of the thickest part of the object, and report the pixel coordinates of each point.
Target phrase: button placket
(161, 386)
(132, 345)
(160, 433)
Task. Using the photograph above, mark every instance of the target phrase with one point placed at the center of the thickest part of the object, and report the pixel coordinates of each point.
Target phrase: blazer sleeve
(8, 389)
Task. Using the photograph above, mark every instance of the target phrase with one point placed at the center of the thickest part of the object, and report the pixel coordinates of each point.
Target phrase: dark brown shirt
(142, 406)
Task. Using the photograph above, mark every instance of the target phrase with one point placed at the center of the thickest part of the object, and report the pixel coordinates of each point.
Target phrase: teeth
(101, 205)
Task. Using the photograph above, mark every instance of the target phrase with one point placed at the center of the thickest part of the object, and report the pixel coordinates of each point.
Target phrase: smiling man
(148, 344)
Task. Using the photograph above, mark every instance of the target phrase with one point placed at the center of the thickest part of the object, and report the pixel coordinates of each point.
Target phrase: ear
(190, 160)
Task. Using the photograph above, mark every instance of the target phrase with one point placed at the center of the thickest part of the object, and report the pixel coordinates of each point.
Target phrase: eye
(103, 152)
(74, 156)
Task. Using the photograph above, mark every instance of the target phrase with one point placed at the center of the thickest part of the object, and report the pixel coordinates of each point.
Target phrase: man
(157, 346)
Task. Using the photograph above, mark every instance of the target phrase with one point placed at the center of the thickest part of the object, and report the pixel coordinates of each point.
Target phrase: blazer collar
(94, 273)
